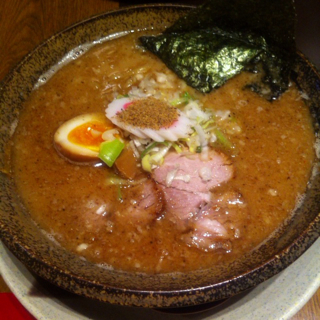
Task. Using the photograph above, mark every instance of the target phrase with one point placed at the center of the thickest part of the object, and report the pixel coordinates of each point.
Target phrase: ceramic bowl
(68, 271)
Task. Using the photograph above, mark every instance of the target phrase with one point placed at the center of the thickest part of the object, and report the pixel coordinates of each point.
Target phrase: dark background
(308, 29)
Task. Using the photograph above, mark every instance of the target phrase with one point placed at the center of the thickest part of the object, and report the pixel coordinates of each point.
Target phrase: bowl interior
(55, 264)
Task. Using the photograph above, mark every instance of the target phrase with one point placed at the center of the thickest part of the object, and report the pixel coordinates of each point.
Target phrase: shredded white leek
(202, 135)
(154, 159)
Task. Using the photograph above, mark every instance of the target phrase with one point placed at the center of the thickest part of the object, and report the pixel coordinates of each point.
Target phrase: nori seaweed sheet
(206, 58)
(219, 39)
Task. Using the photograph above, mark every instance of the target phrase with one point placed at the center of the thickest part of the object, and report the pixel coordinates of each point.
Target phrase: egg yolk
(88, 135)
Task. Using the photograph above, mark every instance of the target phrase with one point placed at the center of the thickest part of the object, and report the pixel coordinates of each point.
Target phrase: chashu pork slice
(191, 173)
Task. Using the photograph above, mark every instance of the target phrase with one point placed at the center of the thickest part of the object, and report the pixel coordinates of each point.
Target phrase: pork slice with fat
(142, 203)
(186, 181)
(191, 173)
(182, 205)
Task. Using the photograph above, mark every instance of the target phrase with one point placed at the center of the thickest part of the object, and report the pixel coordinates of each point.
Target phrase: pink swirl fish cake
(149, 118)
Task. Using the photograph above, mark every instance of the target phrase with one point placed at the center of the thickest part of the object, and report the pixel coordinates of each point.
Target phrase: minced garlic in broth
(272, 158)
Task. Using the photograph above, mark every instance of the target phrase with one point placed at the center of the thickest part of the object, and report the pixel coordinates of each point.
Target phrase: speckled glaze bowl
(53, 263)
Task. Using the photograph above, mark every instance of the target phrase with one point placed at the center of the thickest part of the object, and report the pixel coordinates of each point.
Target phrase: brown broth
(273, 159)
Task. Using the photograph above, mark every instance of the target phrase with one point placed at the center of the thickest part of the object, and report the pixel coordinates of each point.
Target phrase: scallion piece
(177, 147)
(222, 139)
(151, 146)
(146, 165)
(119, 193)
(206, 124)
(185, 98)
(110, 151)
(146, 150)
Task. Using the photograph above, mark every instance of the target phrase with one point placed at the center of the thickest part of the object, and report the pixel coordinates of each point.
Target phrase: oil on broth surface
(272, 162)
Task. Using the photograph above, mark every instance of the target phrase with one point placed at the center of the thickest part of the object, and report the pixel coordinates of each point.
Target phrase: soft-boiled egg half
(79, 138)
(149, 118)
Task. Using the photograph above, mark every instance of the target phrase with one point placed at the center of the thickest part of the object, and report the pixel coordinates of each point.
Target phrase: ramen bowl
(55, 264)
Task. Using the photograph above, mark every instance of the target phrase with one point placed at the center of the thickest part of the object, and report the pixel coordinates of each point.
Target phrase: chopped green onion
(198, 149)
(147, 150)
(206, 124)
(177, 147)
(155, 159)
(119, 194)
(117, 181)
(146, 165)
(151, 146)
(222, 139)
(185, 98)
(110, 151)
(120, 96)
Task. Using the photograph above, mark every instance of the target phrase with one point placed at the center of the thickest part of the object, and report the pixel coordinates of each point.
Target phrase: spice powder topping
(149, 113)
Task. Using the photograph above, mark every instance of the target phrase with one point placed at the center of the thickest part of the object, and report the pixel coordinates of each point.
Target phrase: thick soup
(197, 179)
